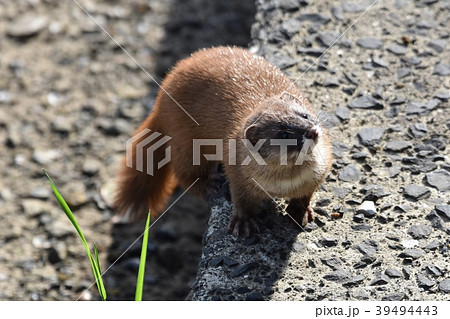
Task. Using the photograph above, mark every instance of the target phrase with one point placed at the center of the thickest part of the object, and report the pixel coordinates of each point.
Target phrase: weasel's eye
(285, 135)
(305, 116)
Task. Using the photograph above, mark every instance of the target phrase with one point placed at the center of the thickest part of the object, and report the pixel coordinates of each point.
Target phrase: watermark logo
(141, 147)
(146, 143)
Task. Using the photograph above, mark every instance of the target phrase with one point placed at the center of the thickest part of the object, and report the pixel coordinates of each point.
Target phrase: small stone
(419, 108)
(353, 7)
(444, 96)
(331, 83)
(424, 282)
(413, 253)
(62, 125)
(443, 211)
(417, 130)
(91, 167)
(432, 245)
(282, 61)
(332, 262)
(288, 5)
(438, 45)
(397, 49)
(327, 38)
(338, 13)
(329, 242)
(439, 179)
(367, 247)
(365, 102)
(370, 136)
(349, 173)
(369, 43)
(254, 296)
(419, 231)
(311, 51)
(314, 17)
(403, 72)
(40, 193)
(396, 296)
(380, 62)
(291, 27)
(354, 281)
(425, 24)
(343, 113)
(45, 156)
(59, 228)
(398, 100)
(338, 276)
(379, 280)
(393, 273)
(441, 69)
(444, 286)
(76, 194)
(397, 146)
(341, 192)
(434, 270)
(416, 192)
(35, 207)
(367, 208)
(27, 25)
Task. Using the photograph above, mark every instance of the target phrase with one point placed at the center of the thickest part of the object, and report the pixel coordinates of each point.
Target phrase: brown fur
(224, 89)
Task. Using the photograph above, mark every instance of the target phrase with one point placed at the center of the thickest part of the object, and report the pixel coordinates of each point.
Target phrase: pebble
(291, 27)
(370, 136)
(350, 173)
(413, 253)
(424, 282)
(379, 280)
(338, 13)
(397, 146)
(314, 17)
(254, 296)
(40, 193)
(62, 125)
(416, 192)
(441, 69)
(434, 270)
(343, 113)
(367, 247)
(35, 207)
(380, 62)
(369, 43)
(353, 7)
(59, 228)
(393, 273)
(419, 231)
(332, 262)
(439, 179)
(45, 156)
(367, 208)
(419, 108)
(397, 49)
(288, 5)
(27, 25)
(396, 296)
(403, 72)
(365, 102)
(75, 194)
(437, 45)
(444, 286)
(338, 275)
(282, 61)
(329, 242)
(417, 130)
(91, 167)
(444, 212)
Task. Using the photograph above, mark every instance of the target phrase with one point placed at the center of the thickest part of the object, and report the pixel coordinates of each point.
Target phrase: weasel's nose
(312, 134)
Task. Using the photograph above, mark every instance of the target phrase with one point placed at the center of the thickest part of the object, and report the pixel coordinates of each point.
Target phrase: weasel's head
(283, 129)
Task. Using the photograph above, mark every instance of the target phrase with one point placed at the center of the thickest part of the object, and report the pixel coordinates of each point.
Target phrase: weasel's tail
(146, 179)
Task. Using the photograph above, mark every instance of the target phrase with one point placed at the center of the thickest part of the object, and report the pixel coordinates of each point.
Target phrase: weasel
(234, 96)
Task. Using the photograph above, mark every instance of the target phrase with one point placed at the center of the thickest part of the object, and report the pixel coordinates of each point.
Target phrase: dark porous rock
(420, 108)
(397, 146)
(416, 192)
(370, 136)
(369, 43)
(229, 261)
(367, 208)
(254, 296)
(396, 296)
(27, 25)
(443, 211)
(380, 279)
(393, 273)
(438, 45)
(367, 247)
(417, 130)
(359, 218)
(441, 69)
(410, 160)
(413, 253)
(439, 179)
(242, 269)
(444, 286)
(343, 113)
(424, 282)
(365, 102)
(350, 173)
(396, 49)
(338, 276)
(419, 231)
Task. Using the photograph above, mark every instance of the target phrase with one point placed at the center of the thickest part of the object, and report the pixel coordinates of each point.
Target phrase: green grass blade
(98, 277)
(95, 266)
(141, 272)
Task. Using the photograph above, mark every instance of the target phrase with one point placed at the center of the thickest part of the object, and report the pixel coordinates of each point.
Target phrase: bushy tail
(141, 184)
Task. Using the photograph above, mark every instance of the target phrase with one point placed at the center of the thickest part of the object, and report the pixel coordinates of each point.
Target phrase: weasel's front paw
(243, 225)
